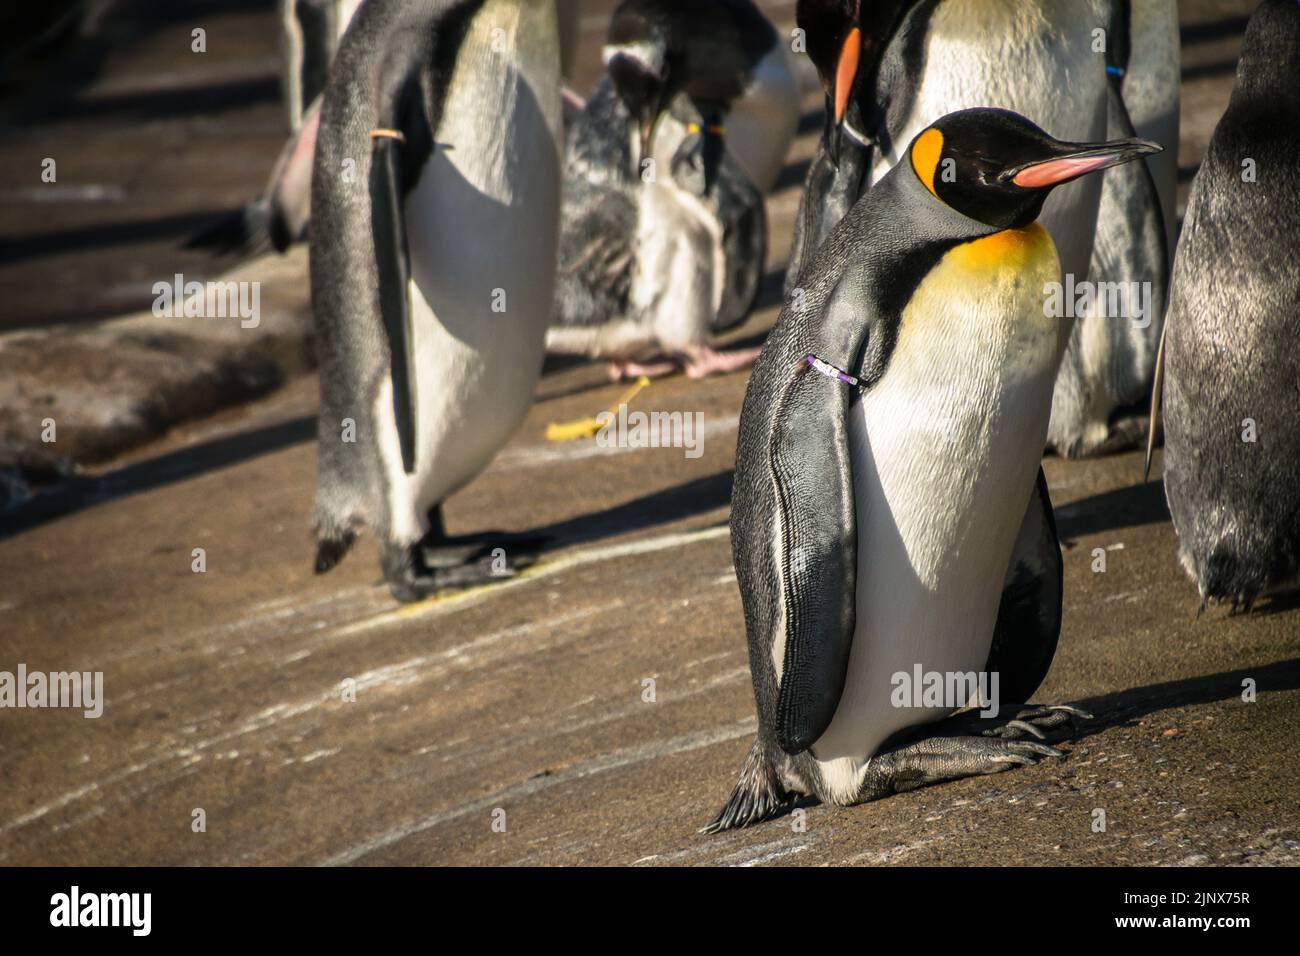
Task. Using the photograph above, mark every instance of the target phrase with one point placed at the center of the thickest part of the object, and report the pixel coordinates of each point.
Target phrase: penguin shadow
(1217, 68)
(87, 491)
(1126, 707)
(1193, 33)
(665, 506)
(1134, 505)
(110, 235)
(1279, 603)
(686, 500)
(183, 101)
(46, 87)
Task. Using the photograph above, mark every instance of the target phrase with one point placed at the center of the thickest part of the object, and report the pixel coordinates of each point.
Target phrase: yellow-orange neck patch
(925, 157)
(1017, 249)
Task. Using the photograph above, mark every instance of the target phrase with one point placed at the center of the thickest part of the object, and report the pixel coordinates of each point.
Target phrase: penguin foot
(937, 759)
(702, 361)
(696, 361)
(1033, 721)
(410, 578)
(623, 370)
(440, 551)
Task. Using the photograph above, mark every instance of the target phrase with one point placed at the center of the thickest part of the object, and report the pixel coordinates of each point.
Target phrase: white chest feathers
(1035, 57)
(680, 270)
(482, 231)
(945, 451)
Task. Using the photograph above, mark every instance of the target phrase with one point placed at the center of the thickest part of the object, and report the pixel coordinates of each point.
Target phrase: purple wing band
(831, 371)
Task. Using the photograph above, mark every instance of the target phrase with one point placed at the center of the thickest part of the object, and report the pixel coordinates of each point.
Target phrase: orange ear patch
(925, 157)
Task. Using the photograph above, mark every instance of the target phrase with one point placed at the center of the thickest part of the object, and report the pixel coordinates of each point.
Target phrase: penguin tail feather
(758, 794)
(331, 545)
(249, 231)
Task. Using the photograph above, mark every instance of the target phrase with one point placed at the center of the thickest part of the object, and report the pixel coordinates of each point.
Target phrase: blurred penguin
(724, 54)
(1108, 368)
(651, 265)
(311, 31)
(1232, 344)
(891, 68)
(664, 228)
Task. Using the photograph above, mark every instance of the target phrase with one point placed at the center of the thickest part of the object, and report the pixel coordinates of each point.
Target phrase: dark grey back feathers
(1233, 340)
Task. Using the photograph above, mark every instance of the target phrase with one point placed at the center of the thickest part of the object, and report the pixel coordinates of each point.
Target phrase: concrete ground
(597, 705)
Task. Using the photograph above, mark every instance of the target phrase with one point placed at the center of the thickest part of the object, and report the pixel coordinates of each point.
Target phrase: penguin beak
(846, 71)
(840, 90)
(1072, 160)
(647, 132)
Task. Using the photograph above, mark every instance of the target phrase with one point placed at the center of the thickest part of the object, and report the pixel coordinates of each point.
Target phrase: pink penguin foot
(657, 367)
(702, 361)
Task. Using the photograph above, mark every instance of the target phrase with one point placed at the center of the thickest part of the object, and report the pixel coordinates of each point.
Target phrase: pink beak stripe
(1060, 170)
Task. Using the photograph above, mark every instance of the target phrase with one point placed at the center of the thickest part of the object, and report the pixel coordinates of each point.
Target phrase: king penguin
(664, 226)
(310, 33)
(1232, 349)
(889, 512)
(436, 195)
(1082, 71)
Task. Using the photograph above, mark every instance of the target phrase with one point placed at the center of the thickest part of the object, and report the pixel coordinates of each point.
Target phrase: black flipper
(829, 192)
(389, 227)
(1029, 616)
(817, 552)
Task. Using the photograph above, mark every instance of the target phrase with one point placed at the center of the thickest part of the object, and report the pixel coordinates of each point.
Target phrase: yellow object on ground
(587, 427)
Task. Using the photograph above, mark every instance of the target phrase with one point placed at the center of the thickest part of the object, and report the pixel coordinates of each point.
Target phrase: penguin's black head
(658, 49)
(997, 167)
(640, 74)
(845, 41)
(834, 42)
